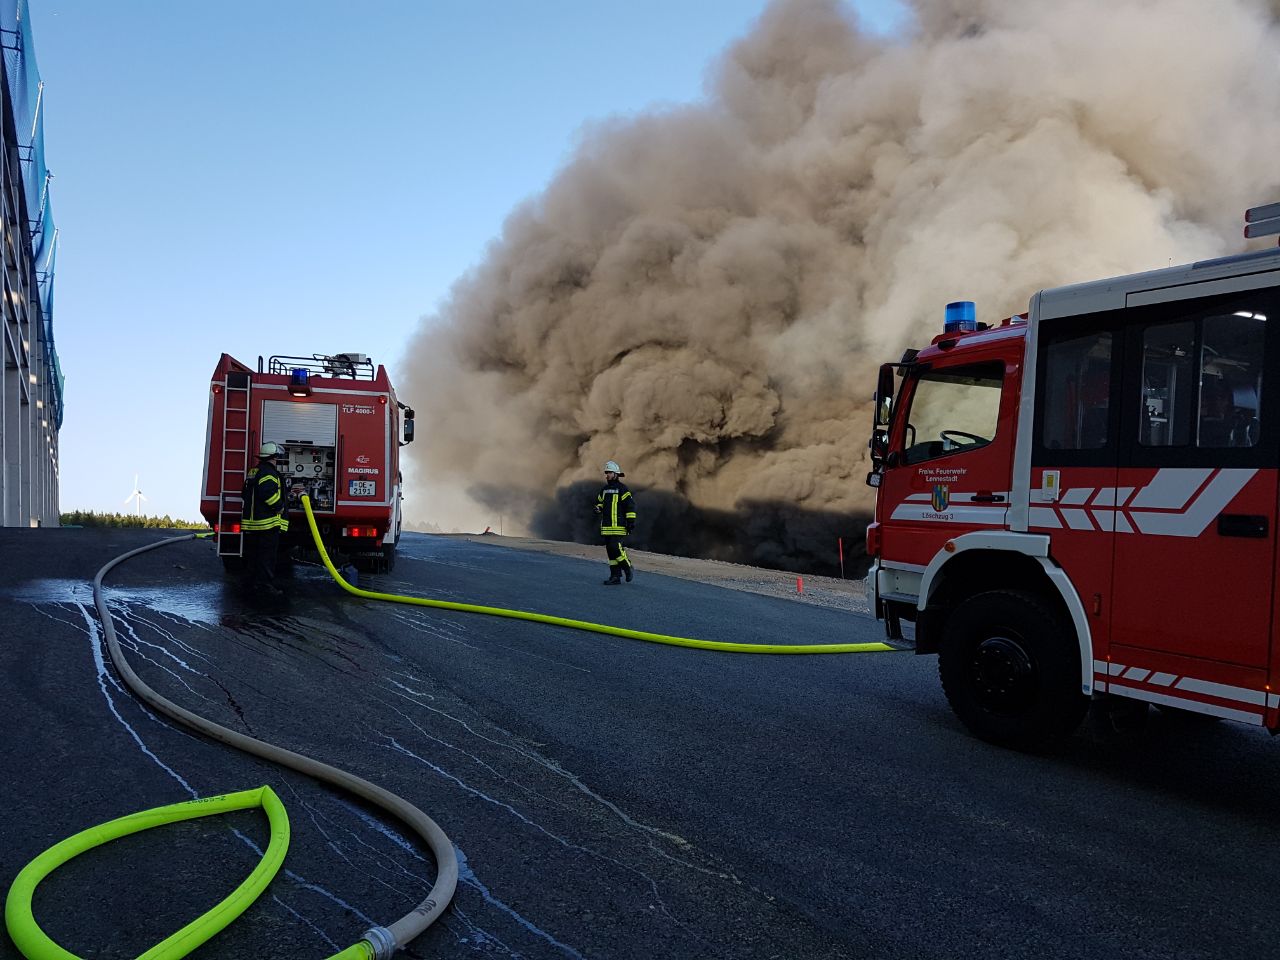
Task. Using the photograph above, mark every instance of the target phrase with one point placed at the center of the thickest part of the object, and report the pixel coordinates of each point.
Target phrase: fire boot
(626, 570)
(614, 578)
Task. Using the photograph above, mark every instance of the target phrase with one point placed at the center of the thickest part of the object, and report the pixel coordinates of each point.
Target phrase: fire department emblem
(941, 497)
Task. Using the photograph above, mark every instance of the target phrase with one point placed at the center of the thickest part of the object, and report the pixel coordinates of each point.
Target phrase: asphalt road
(608, 798)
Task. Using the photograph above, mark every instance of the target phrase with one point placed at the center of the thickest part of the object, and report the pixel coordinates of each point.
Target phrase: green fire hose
(720, 645)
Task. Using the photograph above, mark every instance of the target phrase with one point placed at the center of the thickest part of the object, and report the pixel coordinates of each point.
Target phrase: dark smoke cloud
(784, 536)
(703, 292)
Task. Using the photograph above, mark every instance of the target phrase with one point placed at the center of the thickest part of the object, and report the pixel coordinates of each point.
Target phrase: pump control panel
(309, 470)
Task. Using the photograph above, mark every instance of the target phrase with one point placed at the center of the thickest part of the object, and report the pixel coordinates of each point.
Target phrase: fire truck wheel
(388, 562)
(233, 565)
(1011, 670)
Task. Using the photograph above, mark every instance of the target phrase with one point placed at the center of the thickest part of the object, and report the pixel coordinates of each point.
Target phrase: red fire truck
(1079, 503)
(339, 425)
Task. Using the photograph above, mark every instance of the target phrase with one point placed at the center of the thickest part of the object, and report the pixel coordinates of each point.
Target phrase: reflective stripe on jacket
(617, 508)
(263, 499)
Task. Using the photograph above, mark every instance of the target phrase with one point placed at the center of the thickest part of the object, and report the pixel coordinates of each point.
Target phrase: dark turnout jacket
(617, 509)
(263, 499)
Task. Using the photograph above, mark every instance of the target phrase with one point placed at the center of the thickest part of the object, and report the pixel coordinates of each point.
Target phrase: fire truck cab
(1080, 502)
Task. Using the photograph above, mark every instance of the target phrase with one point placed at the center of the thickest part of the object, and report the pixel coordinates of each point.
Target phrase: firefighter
(264, 501)
(617, 510)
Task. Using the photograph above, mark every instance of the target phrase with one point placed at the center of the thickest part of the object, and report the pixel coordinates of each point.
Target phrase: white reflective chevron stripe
(1112, 497)
(1077, 519)
(1076, 495)
(1209, 688)
(1100, 675)
(1222, 690)
(1117, 677)
(1196, 706)
(1171, 489)
(1045, 517)
(1178, 502)
(1221, 490)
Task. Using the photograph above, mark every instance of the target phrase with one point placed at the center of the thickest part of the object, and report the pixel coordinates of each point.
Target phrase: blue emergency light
(299, 382)
(961, 317)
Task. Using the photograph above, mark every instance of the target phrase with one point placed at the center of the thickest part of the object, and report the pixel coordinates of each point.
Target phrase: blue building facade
(31, 380)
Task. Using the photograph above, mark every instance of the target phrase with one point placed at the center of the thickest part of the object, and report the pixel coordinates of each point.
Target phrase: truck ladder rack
(235, 461)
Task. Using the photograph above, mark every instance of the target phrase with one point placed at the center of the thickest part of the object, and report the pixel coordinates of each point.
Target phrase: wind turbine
(136, 497)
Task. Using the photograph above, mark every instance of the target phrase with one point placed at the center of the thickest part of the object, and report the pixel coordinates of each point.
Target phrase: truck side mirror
(879, 445)
(408, 429)
(884, 395)
(883, 409)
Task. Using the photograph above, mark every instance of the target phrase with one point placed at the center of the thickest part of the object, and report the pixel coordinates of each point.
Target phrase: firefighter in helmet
(264, 500)
(617, 510)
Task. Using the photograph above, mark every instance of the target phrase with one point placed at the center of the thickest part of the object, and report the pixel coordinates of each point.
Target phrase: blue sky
(300, 176)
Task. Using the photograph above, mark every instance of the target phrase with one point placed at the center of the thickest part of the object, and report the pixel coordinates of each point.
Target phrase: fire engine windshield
(953, 409)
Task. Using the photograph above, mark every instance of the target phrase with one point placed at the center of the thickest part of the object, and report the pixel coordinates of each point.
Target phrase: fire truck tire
(233, 565)
(1011, 670)
(388, 562)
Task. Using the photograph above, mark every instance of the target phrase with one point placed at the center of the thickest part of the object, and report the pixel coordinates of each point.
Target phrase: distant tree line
(88, 518)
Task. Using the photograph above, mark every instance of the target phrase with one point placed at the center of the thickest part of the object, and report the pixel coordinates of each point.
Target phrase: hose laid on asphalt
(720, 645)
(377, 943)
(35, 944)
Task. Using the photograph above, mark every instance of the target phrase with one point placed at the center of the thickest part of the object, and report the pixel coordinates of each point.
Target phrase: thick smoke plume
(703, 292)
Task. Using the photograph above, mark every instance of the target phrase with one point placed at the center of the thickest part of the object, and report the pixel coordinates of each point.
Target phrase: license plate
(362, 488)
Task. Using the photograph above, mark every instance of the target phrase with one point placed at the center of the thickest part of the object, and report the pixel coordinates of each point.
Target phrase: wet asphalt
(608, 798)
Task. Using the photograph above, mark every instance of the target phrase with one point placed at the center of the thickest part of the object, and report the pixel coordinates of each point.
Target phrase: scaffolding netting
(27, 93)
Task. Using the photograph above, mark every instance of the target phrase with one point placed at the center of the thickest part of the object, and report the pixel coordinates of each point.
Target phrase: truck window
(1231, 380)
(1077, 395)
(952, 410)
(1168, 385)
(1202, 382)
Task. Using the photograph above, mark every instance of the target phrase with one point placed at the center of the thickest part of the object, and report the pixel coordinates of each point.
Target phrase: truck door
(1196, 496)
(1075, 454)
(948, 472)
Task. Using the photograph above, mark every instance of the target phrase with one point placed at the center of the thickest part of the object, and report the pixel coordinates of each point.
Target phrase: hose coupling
(382, 940)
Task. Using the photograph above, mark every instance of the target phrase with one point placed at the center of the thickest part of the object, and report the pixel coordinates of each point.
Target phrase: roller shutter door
(286, 422)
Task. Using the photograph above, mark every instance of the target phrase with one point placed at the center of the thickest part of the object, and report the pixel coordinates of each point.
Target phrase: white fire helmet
(270, 449)
(611, 466)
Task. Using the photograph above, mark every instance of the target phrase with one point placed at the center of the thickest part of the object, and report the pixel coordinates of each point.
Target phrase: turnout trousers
(617, 554)
(260, 549)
